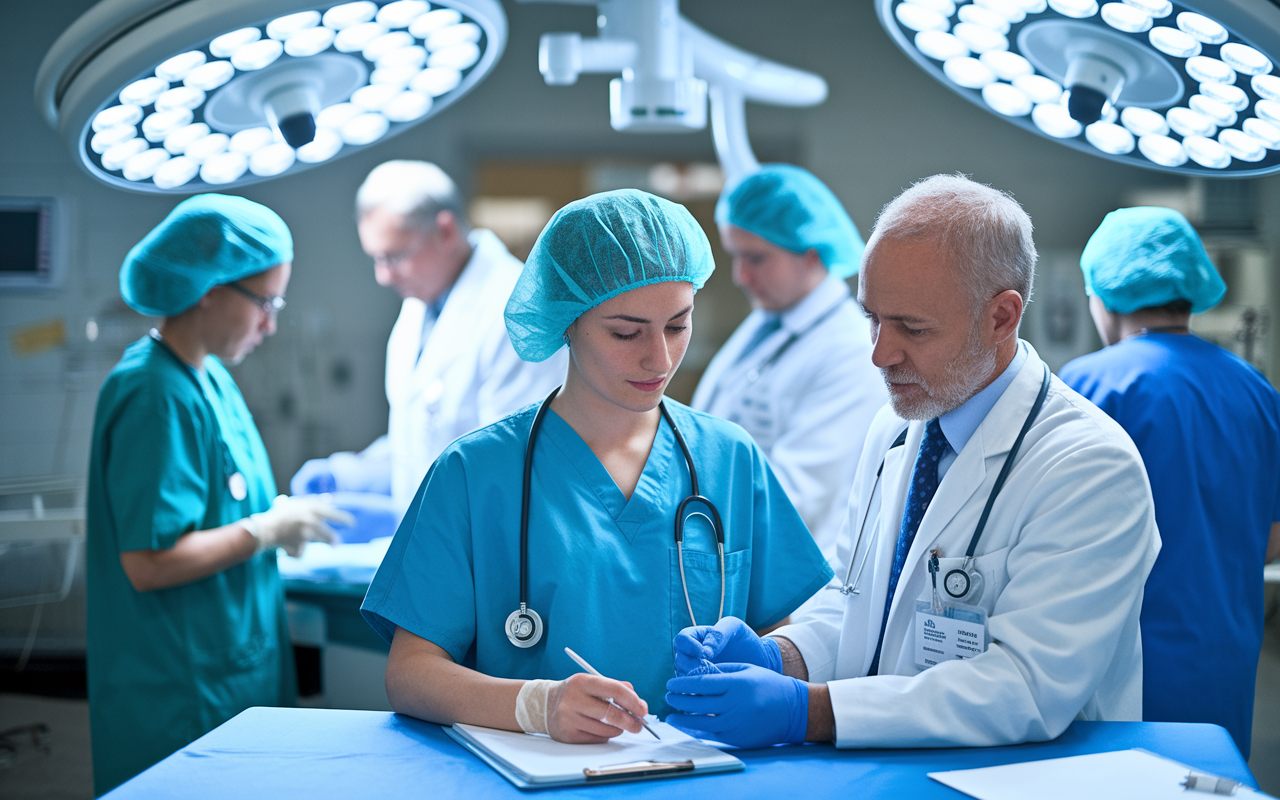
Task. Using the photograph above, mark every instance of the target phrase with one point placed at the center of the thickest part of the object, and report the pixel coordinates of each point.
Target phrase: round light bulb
(400, 13)
(1222, 115)
(210, 76)
(435, 81)
(1008, 9)
(1243, 58)
(177, 141)
(1186, 122)
(1242, 146)
(181, 97)
(322, 148)
(968, 72)
(977, 38)
(105, 140)
(1231, 96)
(1210, 70)
(282, 28)
(1110, 138)
(143, 165)
(175, 172)
(176, 68)
(256, 55)
(1054, 120)
(116, 116)
(1207, 152)
(1144, 122)
(1264, 132)
(364, 129)
(1124, 17)
(143, 92)
(919, 18)
(347, 15)
(1267, 87)
(1007, 66)
(407, 106)
(224, 168)
(1173, 42)
(940, 46)
(336, 116)
(228, 43)
(984, 18)
(422, 27)
(944, 7)
(1033, 6)
(202, 150)
(1202, 28)
(1007, 100)
(415, 57)
(1268, 110)
(355, 38)
(271, 160)
(373, 97)
(1162, 150)
(162, 123)
(1039, 88)
(115, 156)
(1077, 9)
(251, 140)
(459, 56)
(393, 76)
(387, 43)
(1158, 9)
(309, 42)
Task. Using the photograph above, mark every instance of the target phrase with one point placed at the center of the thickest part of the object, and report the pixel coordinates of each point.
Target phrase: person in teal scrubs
(186, 621)
(613, 277)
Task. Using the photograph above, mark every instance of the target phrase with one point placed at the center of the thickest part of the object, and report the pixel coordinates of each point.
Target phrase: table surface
(322, 753)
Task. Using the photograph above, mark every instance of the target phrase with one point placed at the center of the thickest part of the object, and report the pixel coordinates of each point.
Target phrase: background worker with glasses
(186, 623)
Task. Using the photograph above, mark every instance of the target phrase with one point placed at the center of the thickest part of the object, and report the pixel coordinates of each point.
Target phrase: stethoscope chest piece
(237, 486)
(524, 627)
(963, 584)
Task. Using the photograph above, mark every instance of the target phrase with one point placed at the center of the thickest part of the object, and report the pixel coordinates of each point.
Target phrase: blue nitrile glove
(376, 515)
(728, 641)
(744, 705)
(315, 477)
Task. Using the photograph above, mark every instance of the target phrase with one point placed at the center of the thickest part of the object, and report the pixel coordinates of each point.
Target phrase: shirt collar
(817, 302)
(960, 424)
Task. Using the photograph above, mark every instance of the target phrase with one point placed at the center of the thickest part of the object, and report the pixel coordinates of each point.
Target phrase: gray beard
(961, 380)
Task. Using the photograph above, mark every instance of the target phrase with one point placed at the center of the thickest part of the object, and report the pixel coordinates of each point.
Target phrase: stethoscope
(964, 582)
(237, 484)
(524, 625)
(760, 369)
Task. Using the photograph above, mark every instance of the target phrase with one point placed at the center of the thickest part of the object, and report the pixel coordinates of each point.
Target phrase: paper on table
(541, 759)
(1119, 775)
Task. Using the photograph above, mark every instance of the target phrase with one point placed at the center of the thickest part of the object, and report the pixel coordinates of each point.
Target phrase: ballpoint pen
(583, 663)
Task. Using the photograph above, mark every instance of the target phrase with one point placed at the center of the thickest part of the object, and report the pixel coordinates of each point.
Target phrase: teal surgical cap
(207, 240)
(792, 209)
(597, 248)
(1146, 257)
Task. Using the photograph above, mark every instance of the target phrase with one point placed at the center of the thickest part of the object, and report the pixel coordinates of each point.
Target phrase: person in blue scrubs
(1208, 427)
(613, 277)
(186, 622)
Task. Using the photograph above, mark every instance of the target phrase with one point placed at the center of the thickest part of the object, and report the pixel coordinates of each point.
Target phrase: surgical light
(669, 68)
(183, 97)
(1189, 86)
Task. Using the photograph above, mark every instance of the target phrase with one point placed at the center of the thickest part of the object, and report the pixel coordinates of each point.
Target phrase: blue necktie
(768, 325)
(924, 484)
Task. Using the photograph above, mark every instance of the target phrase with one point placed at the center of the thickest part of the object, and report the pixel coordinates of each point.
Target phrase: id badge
(958, 632)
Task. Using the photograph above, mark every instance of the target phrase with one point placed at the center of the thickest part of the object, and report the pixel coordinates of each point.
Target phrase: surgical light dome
(194, 95)
(1188, 87)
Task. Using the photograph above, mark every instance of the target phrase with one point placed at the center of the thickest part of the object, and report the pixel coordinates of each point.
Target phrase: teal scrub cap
(792, 209)
(1144, 257)
(206, 241)
(597, 248)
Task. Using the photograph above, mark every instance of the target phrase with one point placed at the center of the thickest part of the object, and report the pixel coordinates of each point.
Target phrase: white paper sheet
(540, 759)
(1119, 775)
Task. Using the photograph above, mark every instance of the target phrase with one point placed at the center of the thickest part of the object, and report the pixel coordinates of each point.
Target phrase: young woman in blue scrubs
(186, 624)
(613, 276)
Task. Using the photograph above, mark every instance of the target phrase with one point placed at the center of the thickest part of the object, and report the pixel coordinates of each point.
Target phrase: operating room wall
(317, 385)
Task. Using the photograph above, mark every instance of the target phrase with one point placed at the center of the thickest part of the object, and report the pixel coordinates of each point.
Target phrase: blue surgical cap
(1145, 257)
(789, 207)
(597, 248)
(207, 240)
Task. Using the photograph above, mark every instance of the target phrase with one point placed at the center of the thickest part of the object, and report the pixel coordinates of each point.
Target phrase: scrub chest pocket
(702, 576)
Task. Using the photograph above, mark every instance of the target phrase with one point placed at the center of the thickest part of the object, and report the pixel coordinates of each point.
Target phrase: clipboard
(531, 761)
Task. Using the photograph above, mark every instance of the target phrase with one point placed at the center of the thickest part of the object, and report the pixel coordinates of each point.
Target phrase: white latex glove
(293, 521)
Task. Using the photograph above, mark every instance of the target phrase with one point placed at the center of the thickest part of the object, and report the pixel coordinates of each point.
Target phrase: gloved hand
(291, 522)
(575, 710)
(729, 640)
(315, 477)
(376, 515)
(744, 705)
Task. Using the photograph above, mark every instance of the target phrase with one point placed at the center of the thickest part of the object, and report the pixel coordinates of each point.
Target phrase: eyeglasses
(269, 305)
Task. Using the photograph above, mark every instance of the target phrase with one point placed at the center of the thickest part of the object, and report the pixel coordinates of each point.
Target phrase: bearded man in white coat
(935, 639)
(797, 373)
(450, 365)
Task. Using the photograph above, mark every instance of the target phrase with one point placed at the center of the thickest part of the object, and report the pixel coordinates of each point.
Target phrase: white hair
(985, 230)
(417, 190)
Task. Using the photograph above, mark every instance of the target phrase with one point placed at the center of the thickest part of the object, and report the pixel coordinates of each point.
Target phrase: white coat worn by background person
(467, 375)
(810, 407)
(1064, 557)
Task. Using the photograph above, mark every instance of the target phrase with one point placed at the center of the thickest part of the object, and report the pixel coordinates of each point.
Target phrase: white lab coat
(809, 410)
(468, 374)
(1065, 555)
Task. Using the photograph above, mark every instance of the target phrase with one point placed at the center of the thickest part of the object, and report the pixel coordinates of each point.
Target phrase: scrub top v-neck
(603, 569)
